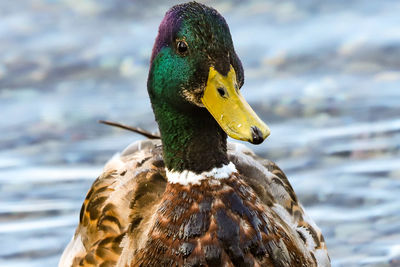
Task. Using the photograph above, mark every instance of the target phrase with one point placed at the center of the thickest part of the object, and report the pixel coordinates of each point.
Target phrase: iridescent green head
(194, 80)
(192, 37)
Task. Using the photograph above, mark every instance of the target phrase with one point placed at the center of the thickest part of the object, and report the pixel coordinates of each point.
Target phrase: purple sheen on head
(167, 29)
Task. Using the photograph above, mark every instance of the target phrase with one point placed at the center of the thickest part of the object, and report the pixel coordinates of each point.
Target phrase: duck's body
(191, 199)
(132, 216)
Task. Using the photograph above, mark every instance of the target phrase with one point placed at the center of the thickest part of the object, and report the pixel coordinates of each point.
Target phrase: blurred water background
(325, 75)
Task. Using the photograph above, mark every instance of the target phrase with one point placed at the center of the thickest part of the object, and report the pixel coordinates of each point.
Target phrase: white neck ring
(188, 177)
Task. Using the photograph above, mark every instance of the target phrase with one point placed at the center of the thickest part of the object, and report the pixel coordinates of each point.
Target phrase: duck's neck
(192, 139)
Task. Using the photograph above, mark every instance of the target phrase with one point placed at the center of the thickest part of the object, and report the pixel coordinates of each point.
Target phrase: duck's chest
(215, 223)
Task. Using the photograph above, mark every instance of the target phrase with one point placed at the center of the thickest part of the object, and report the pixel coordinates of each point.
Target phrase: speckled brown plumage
(133, 217)
(202, 224)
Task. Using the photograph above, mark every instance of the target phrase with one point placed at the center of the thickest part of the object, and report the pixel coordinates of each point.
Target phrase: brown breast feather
(132, 217)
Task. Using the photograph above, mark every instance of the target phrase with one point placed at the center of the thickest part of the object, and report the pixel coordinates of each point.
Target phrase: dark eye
(182, 47)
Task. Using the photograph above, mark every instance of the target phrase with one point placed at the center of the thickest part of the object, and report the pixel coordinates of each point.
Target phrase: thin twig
(133, 129)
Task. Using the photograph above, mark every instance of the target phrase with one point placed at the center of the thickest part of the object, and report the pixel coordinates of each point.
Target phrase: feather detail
(131, 213)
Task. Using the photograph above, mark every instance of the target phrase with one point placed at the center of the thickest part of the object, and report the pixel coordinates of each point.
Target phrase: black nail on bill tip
(257, 135)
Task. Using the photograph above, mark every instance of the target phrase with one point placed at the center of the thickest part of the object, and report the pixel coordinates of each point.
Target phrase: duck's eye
(182, 47)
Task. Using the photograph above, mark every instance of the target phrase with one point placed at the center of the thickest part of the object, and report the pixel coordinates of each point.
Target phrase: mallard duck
(191, 198)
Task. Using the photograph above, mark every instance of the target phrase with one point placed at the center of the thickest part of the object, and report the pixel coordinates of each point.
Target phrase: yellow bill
(224, 101)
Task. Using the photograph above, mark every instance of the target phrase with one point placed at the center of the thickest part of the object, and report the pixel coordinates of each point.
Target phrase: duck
(191, 198)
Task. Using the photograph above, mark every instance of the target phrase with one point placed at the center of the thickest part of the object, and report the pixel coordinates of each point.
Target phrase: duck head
(194, 66)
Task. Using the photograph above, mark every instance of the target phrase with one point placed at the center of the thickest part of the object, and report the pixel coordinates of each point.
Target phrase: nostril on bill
(257, 135)
(221, 91)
